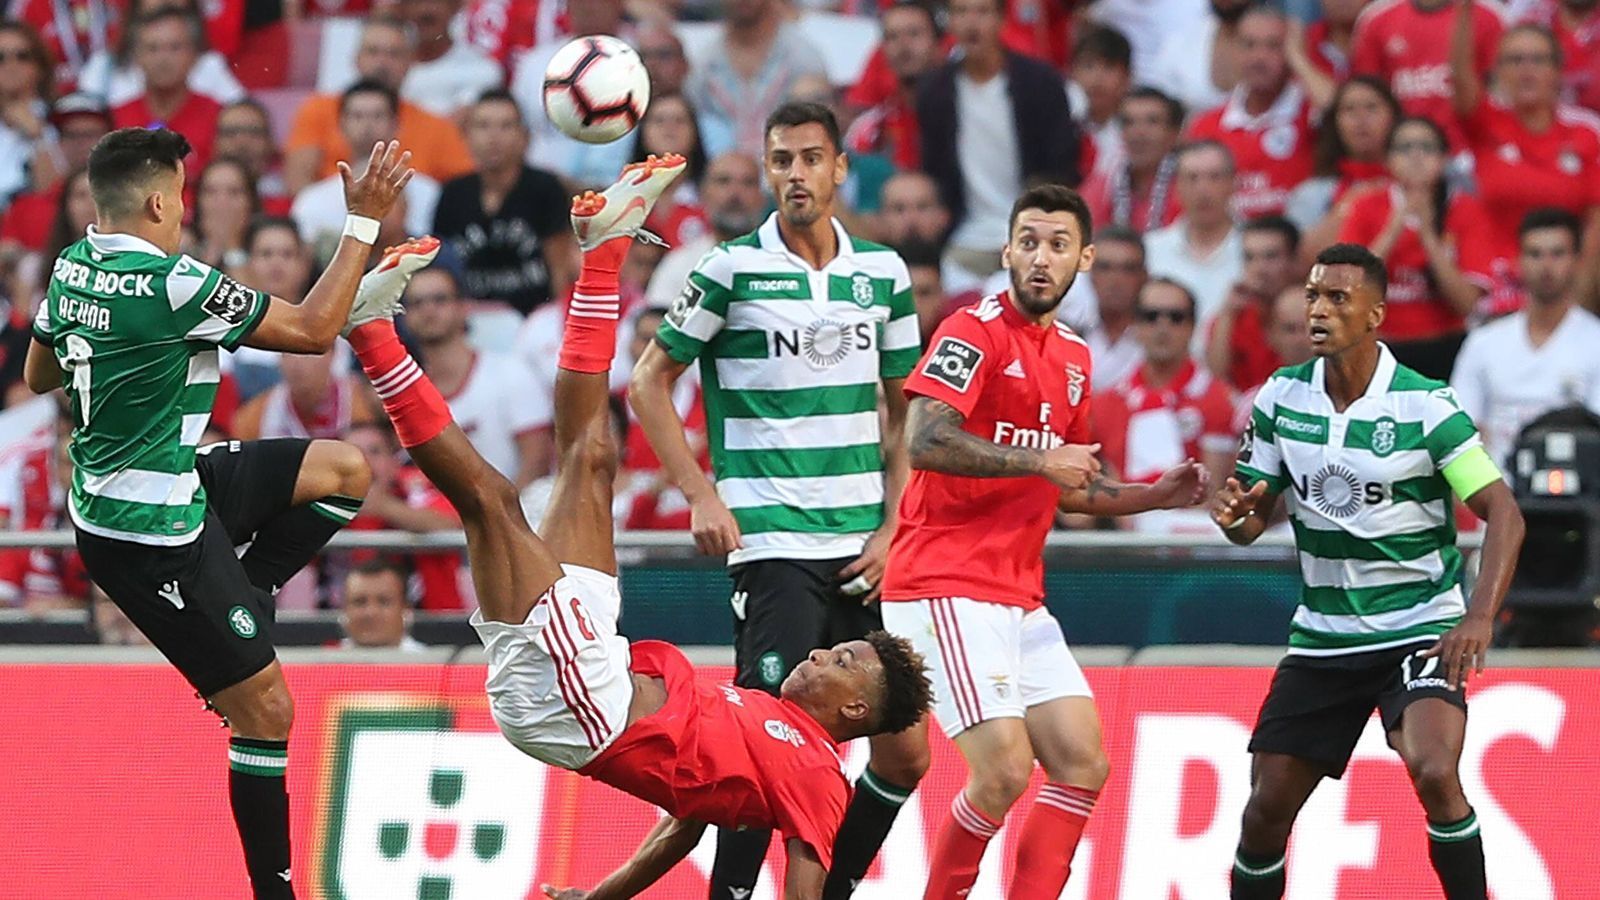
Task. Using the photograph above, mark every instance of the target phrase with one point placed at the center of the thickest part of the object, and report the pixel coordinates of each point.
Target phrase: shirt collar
(121, 242)
(1381, 376)
(1284, 111)
(772, 240)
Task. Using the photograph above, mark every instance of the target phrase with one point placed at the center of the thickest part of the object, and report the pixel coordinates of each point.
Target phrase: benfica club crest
(1075, 381)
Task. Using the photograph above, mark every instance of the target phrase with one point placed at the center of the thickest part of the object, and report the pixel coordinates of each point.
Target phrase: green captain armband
(1470, 472)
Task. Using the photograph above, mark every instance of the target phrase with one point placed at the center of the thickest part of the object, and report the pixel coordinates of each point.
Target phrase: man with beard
(998, 437)
(796, 326)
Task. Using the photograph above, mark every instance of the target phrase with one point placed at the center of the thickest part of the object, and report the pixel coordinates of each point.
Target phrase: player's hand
(387, 174)
(716, 532)
(1233, 503)
(563, 893)
(1463, 650)
(1183, 485)
(868, 566)
(1071, 466)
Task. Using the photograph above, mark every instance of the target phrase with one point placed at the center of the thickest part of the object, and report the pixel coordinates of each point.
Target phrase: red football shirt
(1410, 48)
(196, 120)
(1019, 384)
(1145, 430)
(1273, 152)
(728, 756)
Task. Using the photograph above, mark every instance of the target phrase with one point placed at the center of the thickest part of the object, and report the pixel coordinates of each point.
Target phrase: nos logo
(1337, 493)
(824, 343)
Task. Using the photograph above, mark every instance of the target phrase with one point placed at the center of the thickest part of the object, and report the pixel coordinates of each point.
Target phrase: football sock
(958, 850)
(1456, 851)
(1049, 838)
(414, 405)
(261, 812)
(285, 545)
(589, 337)
(866, 823)
(1257, 876)
(738, 864)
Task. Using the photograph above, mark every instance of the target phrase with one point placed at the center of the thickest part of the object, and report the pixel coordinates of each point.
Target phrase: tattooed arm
(938, 443)
(1182, 485)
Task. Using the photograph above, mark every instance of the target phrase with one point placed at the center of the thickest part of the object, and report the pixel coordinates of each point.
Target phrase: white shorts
(986, 660)
(559, 685)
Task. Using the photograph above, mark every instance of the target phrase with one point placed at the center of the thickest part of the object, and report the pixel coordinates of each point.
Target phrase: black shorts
(785, 608)
(194, 602)
(1317, 706)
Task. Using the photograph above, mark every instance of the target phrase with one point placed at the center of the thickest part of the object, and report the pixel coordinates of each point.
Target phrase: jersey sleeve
(1260, 458)
(43, 331)
(701, 308)
(902, 335)
(209, 306)
(1447, 430)
(956, 366)
(809, 806)
(1216, 420)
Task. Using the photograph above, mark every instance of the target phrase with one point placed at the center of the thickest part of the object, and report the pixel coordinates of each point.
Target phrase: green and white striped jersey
(790, 360)
(1371, 508)
(136, 332)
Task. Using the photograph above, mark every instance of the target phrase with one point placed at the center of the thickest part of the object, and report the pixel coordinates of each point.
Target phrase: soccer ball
(596, 89)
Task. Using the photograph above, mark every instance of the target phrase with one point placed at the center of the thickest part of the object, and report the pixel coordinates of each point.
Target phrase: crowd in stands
(1220, 144)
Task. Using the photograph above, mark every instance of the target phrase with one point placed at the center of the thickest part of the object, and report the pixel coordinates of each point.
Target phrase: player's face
(804, 170)
(1045, 253)
(168, 197)
(1342, 309)
(1548, 264)
(837, 680)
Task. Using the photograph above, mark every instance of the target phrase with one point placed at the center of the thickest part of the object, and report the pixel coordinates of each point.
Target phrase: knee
(267, 716)
(494, 496)
(1267, 822)
(348, 467)
(996, 785)
(593, 451)
(1435, 779)
(1091, 770)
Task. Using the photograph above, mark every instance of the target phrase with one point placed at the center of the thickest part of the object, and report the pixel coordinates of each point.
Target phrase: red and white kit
(965, 577)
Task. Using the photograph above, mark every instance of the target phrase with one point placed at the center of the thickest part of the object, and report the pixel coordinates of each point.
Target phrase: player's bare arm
(937, 442)
(1465, 647)
(41, 370)
(1180, 486)
(805, 875)
(664, 847)
(866, 571)
(1242, 514)
(312, 325)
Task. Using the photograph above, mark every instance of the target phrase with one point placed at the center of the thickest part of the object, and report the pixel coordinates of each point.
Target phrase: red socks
(414, 405)
(589, 339)
(1049, 838)
(958, 850)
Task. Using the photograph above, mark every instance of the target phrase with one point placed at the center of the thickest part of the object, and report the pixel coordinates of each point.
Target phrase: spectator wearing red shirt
(1403, 42)
(1436, 246)
(166, 44)
(887, 124)
(1289, 337)
(1350, 161)
(1118, 277)
(376, 607)
(244, 132)
(1140, 194)
(1266, 122)
(1530, 149)
(1237, 350)
(79, 121)
(1102, 68)
(1319, 52)
(1576, 25)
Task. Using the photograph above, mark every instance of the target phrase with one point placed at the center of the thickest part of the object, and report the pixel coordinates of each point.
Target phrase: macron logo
(1284, 423)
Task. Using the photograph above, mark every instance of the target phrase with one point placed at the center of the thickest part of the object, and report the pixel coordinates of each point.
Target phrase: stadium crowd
(1220, 145)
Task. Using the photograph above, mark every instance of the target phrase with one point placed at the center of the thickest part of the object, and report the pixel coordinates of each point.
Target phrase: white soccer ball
(596, 89)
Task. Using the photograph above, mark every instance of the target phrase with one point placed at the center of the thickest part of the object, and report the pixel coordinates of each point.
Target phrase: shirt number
(76, 361)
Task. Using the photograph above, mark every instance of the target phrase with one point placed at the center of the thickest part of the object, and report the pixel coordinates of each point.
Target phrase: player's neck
(145, 231)
(816, 243)
(1347, 375)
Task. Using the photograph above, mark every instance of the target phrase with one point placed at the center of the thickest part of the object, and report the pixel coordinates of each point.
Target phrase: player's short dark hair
(1547, 217)
(1054, 198)
(1194, 307)
(370, 86)
(907, 693)
(1104, 44)
(796, 112)
(1372, 268)
(123, 162)
(1279, 226)
(1120, 234)
(922, 6)
(1173, 106)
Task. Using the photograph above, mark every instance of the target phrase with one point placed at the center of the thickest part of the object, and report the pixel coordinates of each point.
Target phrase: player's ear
(1086, 258)
(857, 710)
(841, 168)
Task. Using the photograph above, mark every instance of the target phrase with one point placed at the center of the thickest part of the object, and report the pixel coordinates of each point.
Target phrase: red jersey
(1112, 200)
(1580, 50)
(1328, 57)
(1415, 310)
(1409, 47)
(1144, 431)
(27, 221)
(439, 573)
(890, 128)
(1252, 359)
(1019, 384)
(726, 755)
(1273, 152)
(196, 120)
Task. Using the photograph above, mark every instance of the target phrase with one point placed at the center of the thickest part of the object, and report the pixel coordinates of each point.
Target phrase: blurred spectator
(1118, 276)
(1169, 408)
(758, 55)
(1237, 349)
(1148, 24)
(507, 29)
(1201, 250)
(446, 74)
(1405, 43)
(1138, 193)
(225, 202)
(317, 398)
(489, 393)
(375, 612)
(1576, 25)
(1349, 161)
(911, 47)
(1267, 121)
(244, 132)
(72, 30)
(1530, 149)
(669, 126)
(118, 78)
(402, 498)
(639, 499)
(27, 157)
(991, 122)
(928, 293)
(1541, 358)
(1435, 243)
(1289, 337)
(637, 454)
(911, 211)
(32, 494)
(56, 577)
(316, 141)
(1319, 52)
(581, 164)
(506, 221)
(111, 625)
(1200, 66)
(1102, 68)
(166, 45)
(68, 218)
(663, 58)
(731, 196)
(279, 263)
(79, 121)
(368, 115)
